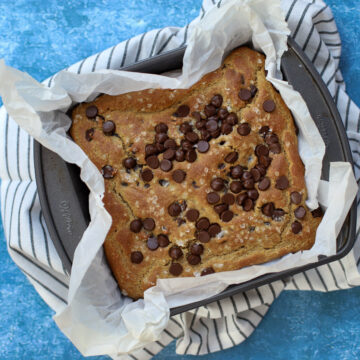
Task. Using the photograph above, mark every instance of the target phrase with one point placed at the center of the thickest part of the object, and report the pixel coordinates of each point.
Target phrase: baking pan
(64, 197)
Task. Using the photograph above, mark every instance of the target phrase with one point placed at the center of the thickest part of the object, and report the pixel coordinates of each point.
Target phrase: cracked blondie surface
(198, 180)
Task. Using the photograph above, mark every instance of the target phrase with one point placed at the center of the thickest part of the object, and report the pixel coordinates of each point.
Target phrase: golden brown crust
(250, 237)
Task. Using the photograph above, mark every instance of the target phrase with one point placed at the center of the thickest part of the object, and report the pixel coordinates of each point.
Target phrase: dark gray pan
(64, 198)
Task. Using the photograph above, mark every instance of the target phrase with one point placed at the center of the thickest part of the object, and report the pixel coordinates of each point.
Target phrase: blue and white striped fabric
(222, 324)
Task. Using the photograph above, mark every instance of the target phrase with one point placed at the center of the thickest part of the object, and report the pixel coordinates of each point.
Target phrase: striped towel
(222, 324)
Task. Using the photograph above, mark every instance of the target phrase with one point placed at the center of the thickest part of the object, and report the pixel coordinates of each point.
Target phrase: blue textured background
(41, 38)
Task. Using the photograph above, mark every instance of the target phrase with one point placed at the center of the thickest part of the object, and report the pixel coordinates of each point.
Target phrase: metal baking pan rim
(264, 279)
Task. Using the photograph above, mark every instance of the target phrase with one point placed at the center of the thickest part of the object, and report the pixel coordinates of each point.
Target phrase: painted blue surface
(42, 37)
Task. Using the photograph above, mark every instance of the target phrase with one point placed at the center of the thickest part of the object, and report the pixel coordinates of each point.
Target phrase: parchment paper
(98, 318)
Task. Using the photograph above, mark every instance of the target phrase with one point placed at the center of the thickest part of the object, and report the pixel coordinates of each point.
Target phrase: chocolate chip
(268, 209)
(242, 79)
(231, 157)
(203, 236)
(213, 118)
(170, 144)
(253, 194)
(317, 212)
(261, 150)
(211, 125)
(210, 110)
(166, 165)
(147, 175)
(203, 146)
(161, 128)
(295, 197)
(109, 127)
(264, 130)
(246, 175)
(136, 257)
(255, 174)
(275, 148)
(227, 216)
(223, 113)
(91, 111)
(215, 134)
(261, 168)
(174, 209)
(108, 172)
(149, 224)
(193, 259)
(191, 156)
(265, 161)
(217, 184)
(300, 212)
(169, 154)
(253, 90)
(232, 119)
(248, 204)
(236, 186)
(282, 182)
(201, 124)
(217, 100)
(236, 172)
(160, 148)
(221, 208)
(228, 199)
(192, 137)
(241, 198)
(296, 227)
(129, 163)
(205, 135)
(185, 127)
(264, 184)
(150, 149)
(186, 145)
(203, 223)
(221, 166)
(212, 198)
(160, 138)
(136, 225)
(196, 115)
(244, 129)
(271, 138)
(182, 111)
(192, 215)
(226, 128)
(278, 213)
(196, 249)
(175, 269)
(163, 240)
(249, 184)
(193, 183)
(244, 94)
(175, 252)
(179, 176)
(180, 155)
(207, 271)
(152, 161)
(89, 134)
(269, 106)
(152, 243)
(214, 229)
